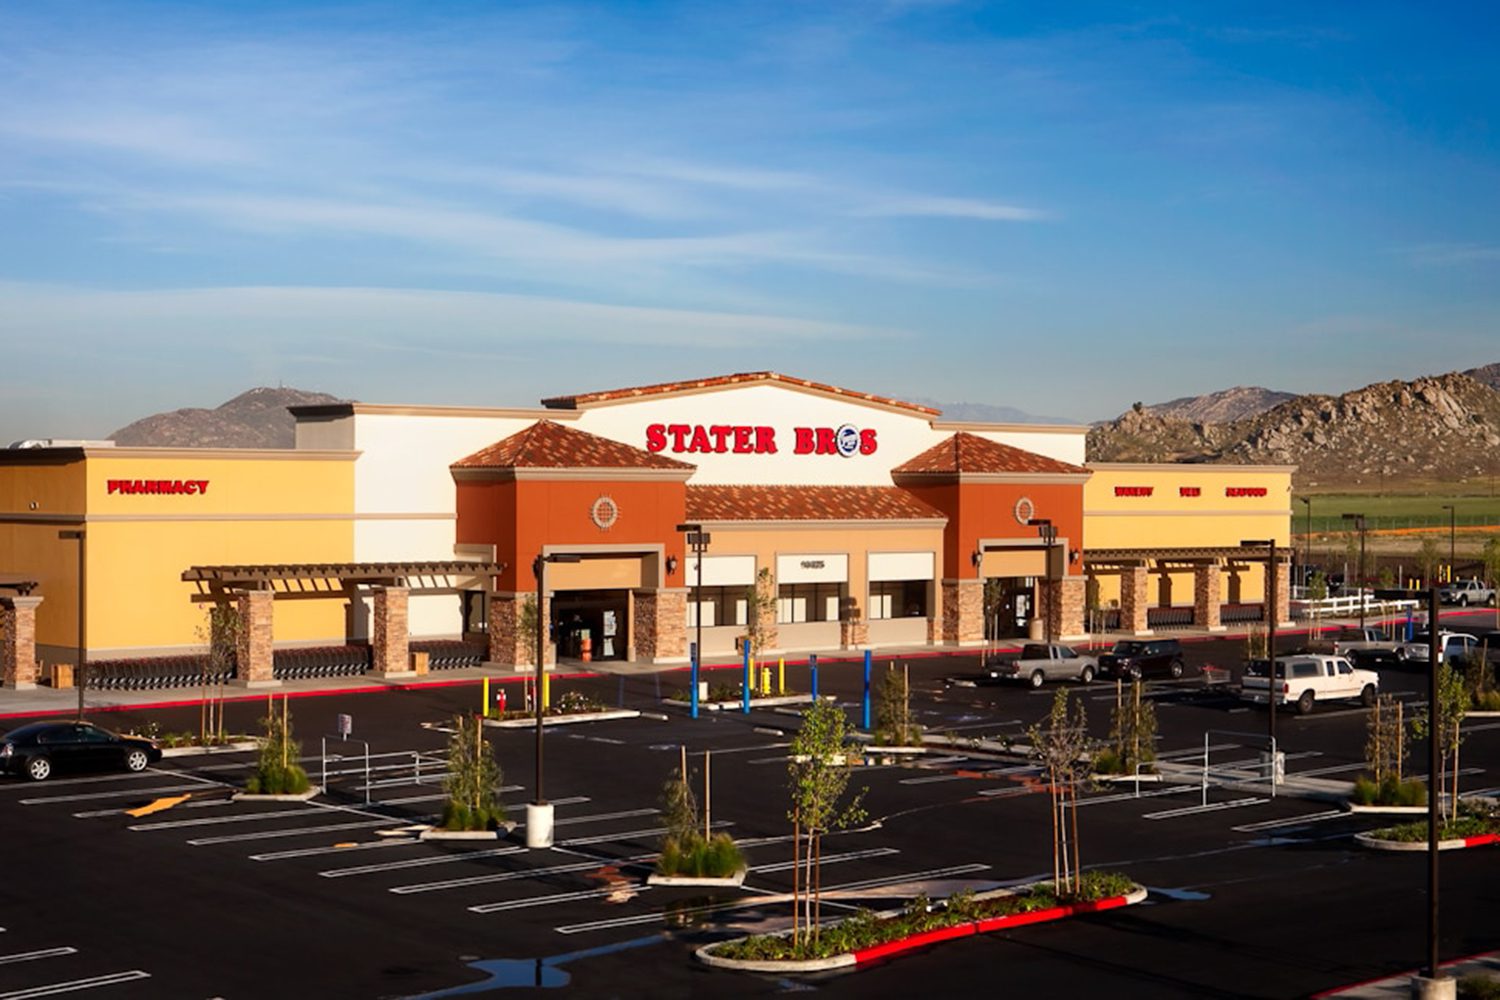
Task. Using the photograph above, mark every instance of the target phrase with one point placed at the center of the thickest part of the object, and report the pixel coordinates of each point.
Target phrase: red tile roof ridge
(547, 444)
(966, 452)
(719, 381)
(806, 503)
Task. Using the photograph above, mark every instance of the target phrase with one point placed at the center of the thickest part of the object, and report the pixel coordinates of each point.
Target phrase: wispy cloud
(1449, 254)
(953, 208)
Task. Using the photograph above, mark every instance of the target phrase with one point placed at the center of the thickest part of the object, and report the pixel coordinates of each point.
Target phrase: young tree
(893, 721)
(1133, 728)
(760, 611)
(473, 775)
(220, 631)
(818, 771)
(1490, 556)
(526, 626)
(1062, 745)
(1386, 740)
(1429, 557)
(278, 770)
(1452, 706)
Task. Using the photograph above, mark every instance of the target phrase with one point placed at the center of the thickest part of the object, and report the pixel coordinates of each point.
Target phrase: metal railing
(1348, 606)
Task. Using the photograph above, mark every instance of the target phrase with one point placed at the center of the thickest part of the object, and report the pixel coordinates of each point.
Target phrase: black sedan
(40, 748)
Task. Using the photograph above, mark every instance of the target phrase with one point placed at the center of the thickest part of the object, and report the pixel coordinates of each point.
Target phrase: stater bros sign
(845, 440)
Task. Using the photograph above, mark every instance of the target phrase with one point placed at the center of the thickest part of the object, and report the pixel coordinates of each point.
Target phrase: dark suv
(1143, 658)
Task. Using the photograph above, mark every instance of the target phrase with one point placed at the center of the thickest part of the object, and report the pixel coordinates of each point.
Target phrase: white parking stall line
(559, 897)
(145, 775)
(605, 838)
(1330, 769)
(596, 817)
(1098, 800)
(116, 794)
(1195, 751)
(1274, 824)
(577, 866)
(1211, 807)
(934, 779)
(311, 852)
(874, 883)
(1484, 728)
(298, 832)
(828, 859)
(940, 730)
(32, 956)
(54, 989)
(439, 859)
(173, 824)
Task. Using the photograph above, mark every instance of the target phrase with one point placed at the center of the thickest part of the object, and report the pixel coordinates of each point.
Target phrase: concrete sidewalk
(1392, 987)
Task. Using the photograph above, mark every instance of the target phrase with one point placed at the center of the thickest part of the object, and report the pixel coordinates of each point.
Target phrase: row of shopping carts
(156, 673)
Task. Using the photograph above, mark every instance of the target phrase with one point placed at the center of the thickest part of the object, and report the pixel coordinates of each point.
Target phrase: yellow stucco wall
(258, 507)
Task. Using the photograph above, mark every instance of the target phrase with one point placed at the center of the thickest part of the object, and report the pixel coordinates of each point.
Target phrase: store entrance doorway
(1013, 606)
(591, 625)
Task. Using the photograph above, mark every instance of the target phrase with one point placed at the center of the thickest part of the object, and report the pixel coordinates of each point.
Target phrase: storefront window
(721, 606)
(808, 602)
(898, 599)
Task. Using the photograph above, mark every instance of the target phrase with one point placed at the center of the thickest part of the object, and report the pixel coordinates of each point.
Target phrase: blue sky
(1059, 207)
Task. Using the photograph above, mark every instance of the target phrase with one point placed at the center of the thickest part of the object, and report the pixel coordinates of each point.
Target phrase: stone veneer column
(1065, 606)
(254, 667)
(659, 629)
(1283, 593)
(1133, 600)
(18, 642)
(389, 638)
(963, 612)
(854, 633)
(506, 643)
(1207, 597)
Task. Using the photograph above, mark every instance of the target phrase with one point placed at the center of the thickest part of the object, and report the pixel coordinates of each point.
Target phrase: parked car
(1452, 646)
(1143, 658)
(1305, 680)
(40, 749)
(1366, 645)
(1466, 592)
(1040, 661)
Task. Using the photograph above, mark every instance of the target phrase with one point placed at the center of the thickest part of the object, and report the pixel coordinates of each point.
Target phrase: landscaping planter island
(876, 936)
(1450, 844)
(529, 721)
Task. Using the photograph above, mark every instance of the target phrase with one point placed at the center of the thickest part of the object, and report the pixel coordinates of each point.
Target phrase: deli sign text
(195, 487)
(846, 440)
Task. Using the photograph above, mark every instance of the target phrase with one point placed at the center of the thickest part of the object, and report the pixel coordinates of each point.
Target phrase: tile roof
(805, 503)
(965, 452)
(548, 445)
(719, 381)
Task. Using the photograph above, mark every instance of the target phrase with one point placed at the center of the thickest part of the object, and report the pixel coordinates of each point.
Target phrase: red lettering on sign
(700, 441)
(1134, 491)
(867, 442)
(1189, 491)
(742, 440)
(721, 434)
(656, 437)
(765, 441)
(804, 445)
(158, 487)
(826, 443)
(678, 432)
(1244, 491)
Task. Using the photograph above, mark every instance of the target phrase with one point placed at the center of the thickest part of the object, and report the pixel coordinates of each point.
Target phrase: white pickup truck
(1307, 679)
(1451, 646)
(1466, 592)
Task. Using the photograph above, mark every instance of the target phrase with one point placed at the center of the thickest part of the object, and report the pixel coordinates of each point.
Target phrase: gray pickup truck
(1040, 662)
(1466, 592)
(1364, 646)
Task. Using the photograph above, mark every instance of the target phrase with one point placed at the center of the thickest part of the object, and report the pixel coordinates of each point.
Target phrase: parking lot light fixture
(80, 677)
(1306, 539)
(697, 540)
(1452, 531)
(1048, 532)
(1269, 544)
(539, 810)
(1359, 525)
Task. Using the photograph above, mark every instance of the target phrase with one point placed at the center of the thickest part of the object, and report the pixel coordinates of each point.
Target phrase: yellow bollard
(781, 675)
(546, 691)
(765, 681)
(485, 707)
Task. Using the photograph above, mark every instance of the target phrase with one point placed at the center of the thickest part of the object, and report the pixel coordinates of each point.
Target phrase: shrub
(1106, 761)
(1478, 988)
(472, 778)
(1388, 792)
(1487, 701)
(277, 771)
(694, 857)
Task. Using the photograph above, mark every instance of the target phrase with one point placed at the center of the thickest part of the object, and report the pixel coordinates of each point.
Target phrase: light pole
(81, 537)
(697, 540)
(539, 811)
(1359, 524)
(1270, 545)
(1306, 540)
(1048, 531)
(1452, 529)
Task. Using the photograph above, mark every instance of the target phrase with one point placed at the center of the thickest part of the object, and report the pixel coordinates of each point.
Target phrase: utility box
(60, 675)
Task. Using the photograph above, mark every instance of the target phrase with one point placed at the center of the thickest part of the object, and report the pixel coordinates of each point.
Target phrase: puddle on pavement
(533, 973)
(1190, 895)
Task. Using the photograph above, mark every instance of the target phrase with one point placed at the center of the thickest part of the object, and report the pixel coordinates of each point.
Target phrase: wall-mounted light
(1073, 555)
(671, 565)
(977, 557)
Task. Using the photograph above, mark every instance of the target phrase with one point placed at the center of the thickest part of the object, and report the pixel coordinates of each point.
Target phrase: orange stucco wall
(978, 511)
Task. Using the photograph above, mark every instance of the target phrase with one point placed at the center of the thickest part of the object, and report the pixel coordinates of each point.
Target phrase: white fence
(1348, 606)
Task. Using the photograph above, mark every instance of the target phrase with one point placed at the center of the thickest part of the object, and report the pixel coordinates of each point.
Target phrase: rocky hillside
(1489, 375)
(1221, 407)
(1436, 428)
(254, 419)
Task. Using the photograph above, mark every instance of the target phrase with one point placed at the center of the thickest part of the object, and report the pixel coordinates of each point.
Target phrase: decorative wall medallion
(1025, 510)
(604, 513)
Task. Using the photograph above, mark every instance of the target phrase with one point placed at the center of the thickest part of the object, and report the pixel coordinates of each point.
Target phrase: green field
(1389, 511)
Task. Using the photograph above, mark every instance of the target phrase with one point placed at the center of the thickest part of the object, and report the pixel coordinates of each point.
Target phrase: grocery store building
(843, 520)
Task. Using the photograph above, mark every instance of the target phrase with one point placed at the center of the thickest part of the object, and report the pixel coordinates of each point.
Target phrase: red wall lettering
(1134, 491)
(158, 487)
(1189, 491)
(746, 440)
(1244, 491)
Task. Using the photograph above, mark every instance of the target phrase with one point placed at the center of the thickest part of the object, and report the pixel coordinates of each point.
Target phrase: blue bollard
(812, 664)
(867, 689)
(745, 688)
(693, 694)
(1409, 629)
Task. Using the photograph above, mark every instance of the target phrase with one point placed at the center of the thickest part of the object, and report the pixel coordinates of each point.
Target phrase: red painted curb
(874, 952)
(1479, 840)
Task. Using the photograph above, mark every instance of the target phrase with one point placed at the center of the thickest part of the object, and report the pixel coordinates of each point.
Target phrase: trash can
(420, 661)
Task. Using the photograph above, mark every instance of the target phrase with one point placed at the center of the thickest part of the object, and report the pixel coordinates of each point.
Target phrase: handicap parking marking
(73, 986)
(440, 859)
(32, 956)
(119, 793)
(525, 873)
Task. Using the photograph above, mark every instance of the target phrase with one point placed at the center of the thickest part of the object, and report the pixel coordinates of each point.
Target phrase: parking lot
(336, 897)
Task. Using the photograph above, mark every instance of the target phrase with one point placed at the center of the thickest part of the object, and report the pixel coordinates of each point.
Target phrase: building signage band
(197, 487)
(1190, 491)
(685, 439)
